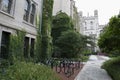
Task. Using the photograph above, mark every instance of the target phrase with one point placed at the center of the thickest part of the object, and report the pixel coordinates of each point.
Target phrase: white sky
(106, 8)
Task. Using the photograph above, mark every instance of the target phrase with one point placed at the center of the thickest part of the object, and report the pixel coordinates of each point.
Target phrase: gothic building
(89, 25)
(67, 6)
(18, 15)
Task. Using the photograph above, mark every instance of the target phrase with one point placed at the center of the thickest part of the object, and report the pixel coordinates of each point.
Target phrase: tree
(61, 22)
(110, 38)
(69, 44)
(87, 40)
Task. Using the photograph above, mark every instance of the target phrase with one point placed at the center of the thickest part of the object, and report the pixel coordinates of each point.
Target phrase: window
(32, 14)
(26, 10)
(26, 47)
(32, 47)
(85, 23)
(91, 22)
(6, 5)
(5, 45)
(29, 12)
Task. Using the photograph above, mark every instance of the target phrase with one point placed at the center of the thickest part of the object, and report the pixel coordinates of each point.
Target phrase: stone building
(67, 6)
(18, 15)
(89, 25)
(62, 5)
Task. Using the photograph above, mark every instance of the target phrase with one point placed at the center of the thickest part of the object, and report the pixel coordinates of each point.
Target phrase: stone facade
(13, 20)
(67, 6)
(61, 5)
(89, 26)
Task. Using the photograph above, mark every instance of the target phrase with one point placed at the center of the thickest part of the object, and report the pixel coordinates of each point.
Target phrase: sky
(106, 8)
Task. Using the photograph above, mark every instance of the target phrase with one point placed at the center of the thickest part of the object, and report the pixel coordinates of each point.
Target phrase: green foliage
(84, 58)
(28, 71)
(4, 63)
(17, 46)
(86, 52)
(113, 68)
(46, 39)
(69, 43)
(38, 40)
(110, 38)
(66, 41)
(61, 22)
(86, 40)
(38, 48)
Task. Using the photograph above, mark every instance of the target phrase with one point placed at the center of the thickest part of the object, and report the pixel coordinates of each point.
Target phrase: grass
(28, 71)
(113, 68)
(84, 58)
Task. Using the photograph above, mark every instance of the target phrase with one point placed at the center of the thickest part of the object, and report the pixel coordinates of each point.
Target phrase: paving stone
(92, 70)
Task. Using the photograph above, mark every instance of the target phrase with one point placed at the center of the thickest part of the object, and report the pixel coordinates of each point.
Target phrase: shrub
(113, 68)
(28, 71)
(16, 51)
(84, 58)
(4, 63)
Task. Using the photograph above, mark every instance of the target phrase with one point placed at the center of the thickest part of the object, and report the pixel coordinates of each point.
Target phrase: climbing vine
(16, 51)
(46, 39)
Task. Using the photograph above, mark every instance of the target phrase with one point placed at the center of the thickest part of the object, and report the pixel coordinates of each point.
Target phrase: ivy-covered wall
(17, 46)
(44, 37)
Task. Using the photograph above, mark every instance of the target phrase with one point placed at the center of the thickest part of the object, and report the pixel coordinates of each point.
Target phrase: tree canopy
(61, 22)
(110, 38)
(69, 44)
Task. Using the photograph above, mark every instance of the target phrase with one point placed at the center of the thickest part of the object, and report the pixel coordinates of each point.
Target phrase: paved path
(92, 70)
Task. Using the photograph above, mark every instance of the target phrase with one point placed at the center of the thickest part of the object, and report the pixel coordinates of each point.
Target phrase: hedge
(113, 68)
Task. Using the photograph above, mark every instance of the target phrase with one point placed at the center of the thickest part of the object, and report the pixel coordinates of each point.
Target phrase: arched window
(26, 10)
(6, 5)
(32, 15)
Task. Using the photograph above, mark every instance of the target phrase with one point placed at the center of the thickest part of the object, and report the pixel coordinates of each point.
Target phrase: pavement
(92, 69)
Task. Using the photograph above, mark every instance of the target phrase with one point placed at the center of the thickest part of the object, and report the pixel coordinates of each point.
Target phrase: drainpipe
(41, 15)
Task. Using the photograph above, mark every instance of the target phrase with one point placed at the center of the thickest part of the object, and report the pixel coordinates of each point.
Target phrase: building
(75, 18)
(89, 25)
(62, 5)
(67, 6)
(18, 15)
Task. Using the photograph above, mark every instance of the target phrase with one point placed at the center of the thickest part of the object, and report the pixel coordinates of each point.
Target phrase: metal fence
(66, 66)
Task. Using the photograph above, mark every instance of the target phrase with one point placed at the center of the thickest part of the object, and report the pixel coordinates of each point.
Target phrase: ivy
(17, 46)
(44, 39)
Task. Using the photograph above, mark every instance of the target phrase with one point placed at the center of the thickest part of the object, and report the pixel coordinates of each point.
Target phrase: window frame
(9, 8)
(26, 11)
(32, 14)
(30, 20)
(91, 22)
